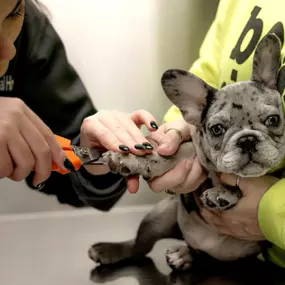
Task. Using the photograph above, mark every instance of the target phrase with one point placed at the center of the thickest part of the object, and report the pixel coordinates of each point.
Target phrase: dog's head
(240, 128)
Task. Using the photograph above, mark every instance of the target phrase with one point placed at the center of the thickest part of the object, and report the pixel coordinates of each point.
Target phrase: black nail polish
(148, 145)
(68, 165)
(140, 147)
(124, 148)
(40, 186)
(154, 125)
(30, 179)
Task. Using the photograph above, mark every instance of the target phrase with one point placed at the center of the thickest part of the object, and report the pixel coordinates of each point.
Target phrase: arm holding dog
(268, 210)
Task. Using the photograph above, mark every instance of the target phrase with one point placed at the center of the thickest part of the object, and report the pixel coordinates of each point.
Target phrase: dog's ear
(266, 61)
(189, 93)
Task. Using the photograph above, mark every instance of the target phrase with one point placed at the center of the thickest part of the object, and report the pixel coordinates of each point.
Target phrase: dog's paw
(129, 164)
(109, 253)
(148, 166)
(179, 258)
(220, 198)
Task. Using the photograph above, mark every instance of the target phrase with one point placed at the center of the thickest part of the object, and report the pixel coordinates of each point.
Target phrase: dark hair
(42, 7)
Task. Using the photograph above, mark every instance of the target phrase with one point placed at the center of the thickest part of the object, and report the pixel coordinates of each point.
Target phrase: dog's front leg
(148, 166)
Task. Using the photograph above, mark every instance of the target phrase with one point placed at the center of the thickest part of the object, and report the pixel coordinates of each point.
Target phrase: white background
(120, 48)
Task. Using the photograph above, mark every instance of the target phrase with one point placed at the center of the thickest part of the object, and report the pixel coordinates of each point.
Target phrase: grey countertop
(51, 249)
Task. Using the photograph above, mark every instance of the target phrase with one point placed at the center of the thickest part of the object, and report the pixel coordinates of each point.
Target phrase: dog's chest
(202, 237)
(195, 231)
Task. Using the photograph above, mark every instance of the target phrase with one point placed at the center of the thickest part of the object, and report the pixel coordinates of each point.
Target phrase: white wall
(120, 48)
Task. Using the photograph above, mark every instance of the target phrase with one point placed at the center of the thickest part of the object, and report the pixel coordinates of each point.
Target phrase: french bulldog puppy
(239, 129)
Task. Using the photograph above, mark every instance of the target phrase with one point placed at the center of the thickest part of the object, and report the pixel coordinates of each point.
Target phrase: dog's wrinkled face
(240, 128)
(243, 130)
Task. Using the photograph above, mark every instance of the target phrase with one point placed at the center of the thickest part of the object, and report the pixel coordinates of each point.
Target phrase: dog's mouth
(252, 169)
(249, 156)
(247, 164)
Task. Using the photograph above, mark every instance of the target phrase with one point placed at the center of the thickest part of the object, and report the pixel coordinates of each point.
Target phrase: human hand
(119, 132)
(188, 174)
(26, 143)
(242, 220)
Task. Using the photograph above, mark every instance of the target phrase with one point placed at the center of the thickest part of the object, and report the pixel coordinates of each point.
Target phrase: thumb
(169, 144)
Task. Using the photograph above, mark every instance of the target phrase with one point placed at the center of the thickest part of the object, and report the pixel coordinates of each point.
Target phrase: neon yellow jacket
(225, 57)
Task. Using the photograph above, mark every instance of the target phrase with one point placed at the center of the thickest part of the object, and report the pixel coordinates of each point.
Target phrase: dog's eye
(217, 130)
(272, 121)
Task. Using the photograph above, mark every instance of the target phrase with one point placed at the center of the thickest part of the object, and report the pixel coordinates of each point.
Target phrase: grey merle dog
(239, 130)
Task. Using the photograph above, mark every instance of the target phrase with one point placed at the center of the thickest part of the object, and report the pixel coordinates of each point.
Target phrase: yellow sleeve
(271, 218)
(207, 65)
(271, 214)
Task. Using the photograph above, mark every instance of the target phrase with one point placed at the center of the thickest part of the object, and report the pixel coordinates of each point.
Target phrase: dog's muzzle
(248, 143)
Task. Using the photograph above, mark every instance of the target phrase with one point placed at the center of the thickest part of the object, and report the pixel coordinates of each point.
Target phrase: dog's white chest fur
(201, 236)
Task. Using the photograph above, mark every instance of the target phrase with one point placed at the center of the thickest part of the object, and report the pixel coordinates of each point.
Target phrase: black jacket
(42, 77)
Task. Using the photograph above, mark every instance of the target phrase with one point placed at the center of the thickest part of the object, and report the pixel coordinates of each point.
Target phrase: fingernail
(40, 186)
(140, 147)
(124, 148)
(148, 145)
(68, 165)
(154, 125)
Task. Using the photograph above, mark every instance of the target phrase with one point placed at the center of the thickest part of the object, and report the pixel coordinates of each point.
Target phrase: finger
(134, 131)
(133, 184)
(228, 179)
(172, 178)
(120, 131)
(40, 149)
(142, 117)
(96, 132)
(22, 157)
(153, 142)
(57, 154)
(195, 178)
(156, 137)
(175, 133)
(169, 143)
(6, 165)
(212, 218)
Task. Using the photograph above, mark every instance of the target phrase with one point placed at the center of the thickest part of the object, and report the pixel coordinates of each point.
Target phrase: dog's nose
(248, 143)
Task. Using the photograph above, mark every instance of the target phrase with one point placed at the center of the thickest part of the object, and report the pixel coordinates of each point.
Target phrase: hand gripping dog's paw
(148, 166)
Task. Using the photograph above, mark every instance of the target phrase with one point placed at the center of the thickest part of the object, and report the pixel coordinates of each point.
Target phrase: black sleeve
(50, 86)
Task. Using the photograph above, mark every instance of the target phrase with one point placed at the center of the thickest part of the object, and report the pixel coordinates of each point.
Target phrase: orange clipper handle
(65, 144)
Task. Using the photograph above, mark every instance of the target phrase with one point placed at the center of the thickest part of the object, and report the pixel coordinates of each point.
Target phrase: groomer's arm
(53, 90)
